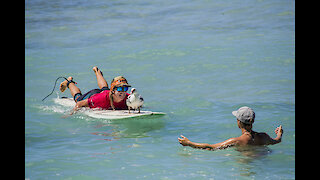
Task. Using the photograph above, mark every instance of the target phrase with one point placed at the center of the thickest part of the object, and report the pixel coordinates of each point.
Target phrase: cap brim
(234, 113)
(123, 84)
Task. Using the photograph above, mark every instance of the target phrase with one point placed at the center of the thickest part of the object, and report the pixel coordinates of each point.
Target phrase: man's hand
(70, 113)
(279, 131)
(184, 141)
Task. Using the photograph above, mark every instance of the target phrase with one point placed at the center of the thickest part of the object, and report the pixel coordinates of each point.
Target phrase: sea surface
(197, 61)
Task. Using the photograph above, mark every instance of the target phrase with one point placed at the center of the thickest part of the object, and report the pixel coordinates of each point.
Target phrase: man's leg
(100, 79)
(72, 87)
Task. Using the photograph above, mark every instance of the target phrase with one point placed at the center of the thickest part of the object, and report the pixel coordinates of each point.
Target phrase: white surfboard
(106, 114)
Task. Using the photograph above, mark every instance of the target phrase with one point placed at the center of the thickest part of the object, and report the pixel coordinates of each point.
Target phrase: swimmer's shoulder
(244, 139)
(262, 138)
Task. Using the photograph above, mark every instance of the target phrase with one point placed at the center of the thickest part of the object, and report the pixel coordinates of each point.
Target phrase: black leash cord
(54, 86)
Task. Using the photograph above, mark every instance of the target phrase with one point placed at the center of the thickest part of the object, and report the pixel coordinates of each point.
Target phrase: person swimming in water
(245, 118)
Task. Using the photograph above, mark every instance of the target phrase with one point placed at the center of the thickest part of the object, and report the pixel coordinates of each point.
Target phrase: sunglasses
(123, 89)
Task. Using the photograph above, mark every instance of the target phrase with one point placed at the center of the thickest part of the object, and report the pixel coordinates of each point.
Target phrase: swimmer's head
(119, 81)
(245, 115)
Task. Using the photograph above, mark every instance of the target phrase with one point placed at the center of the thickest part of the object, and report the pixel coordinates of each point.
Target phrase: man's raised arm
(279, 132)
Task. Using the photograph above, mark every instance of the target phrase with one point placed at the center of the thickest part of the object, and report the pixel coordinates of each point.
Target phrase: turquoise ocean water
(197, 61)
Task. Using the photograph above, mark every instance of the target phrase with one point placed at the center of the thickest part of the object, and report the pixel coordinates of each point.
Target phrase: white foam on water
(56, 109)
(63, 102)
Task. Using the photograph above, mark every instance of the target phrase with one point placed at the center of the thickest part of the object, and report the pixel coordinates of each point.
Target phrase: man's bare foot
(96, 69)
(63, 85)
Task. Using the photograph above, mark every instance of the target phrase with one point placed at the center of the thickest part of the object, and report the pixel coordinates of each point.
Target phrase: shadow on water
(250, 153)
(248, 156)
(131, 127)
(115, 130)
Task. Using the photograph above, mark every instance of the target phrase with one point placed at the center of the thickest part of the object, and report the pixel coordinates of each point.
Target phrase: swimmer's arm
(79, 104)
(279, 132)
(270, 141)
(225, 144)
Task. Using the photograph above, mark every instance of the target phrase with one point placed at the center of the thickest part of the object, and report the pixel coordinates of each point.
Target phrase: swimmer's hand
(184, 141)
(279, 131)
(70, 113)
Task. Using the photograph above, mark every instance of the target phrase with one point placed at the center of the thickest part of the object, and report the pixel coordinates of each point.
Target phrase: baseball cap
(244, 114)
(119, 81)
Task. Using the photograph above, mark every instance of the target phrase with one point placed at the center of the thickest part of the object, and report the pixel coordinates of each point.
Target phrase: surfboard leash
(55, 86)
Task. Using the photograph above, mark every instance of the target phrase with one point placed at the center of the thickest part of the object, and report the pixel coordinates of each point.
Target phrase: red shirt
(101, 100)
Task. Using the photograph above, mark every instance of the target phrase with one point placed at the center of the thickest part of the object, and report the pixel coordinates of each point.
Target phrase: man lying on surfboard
(245, 118)
(105, 98)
